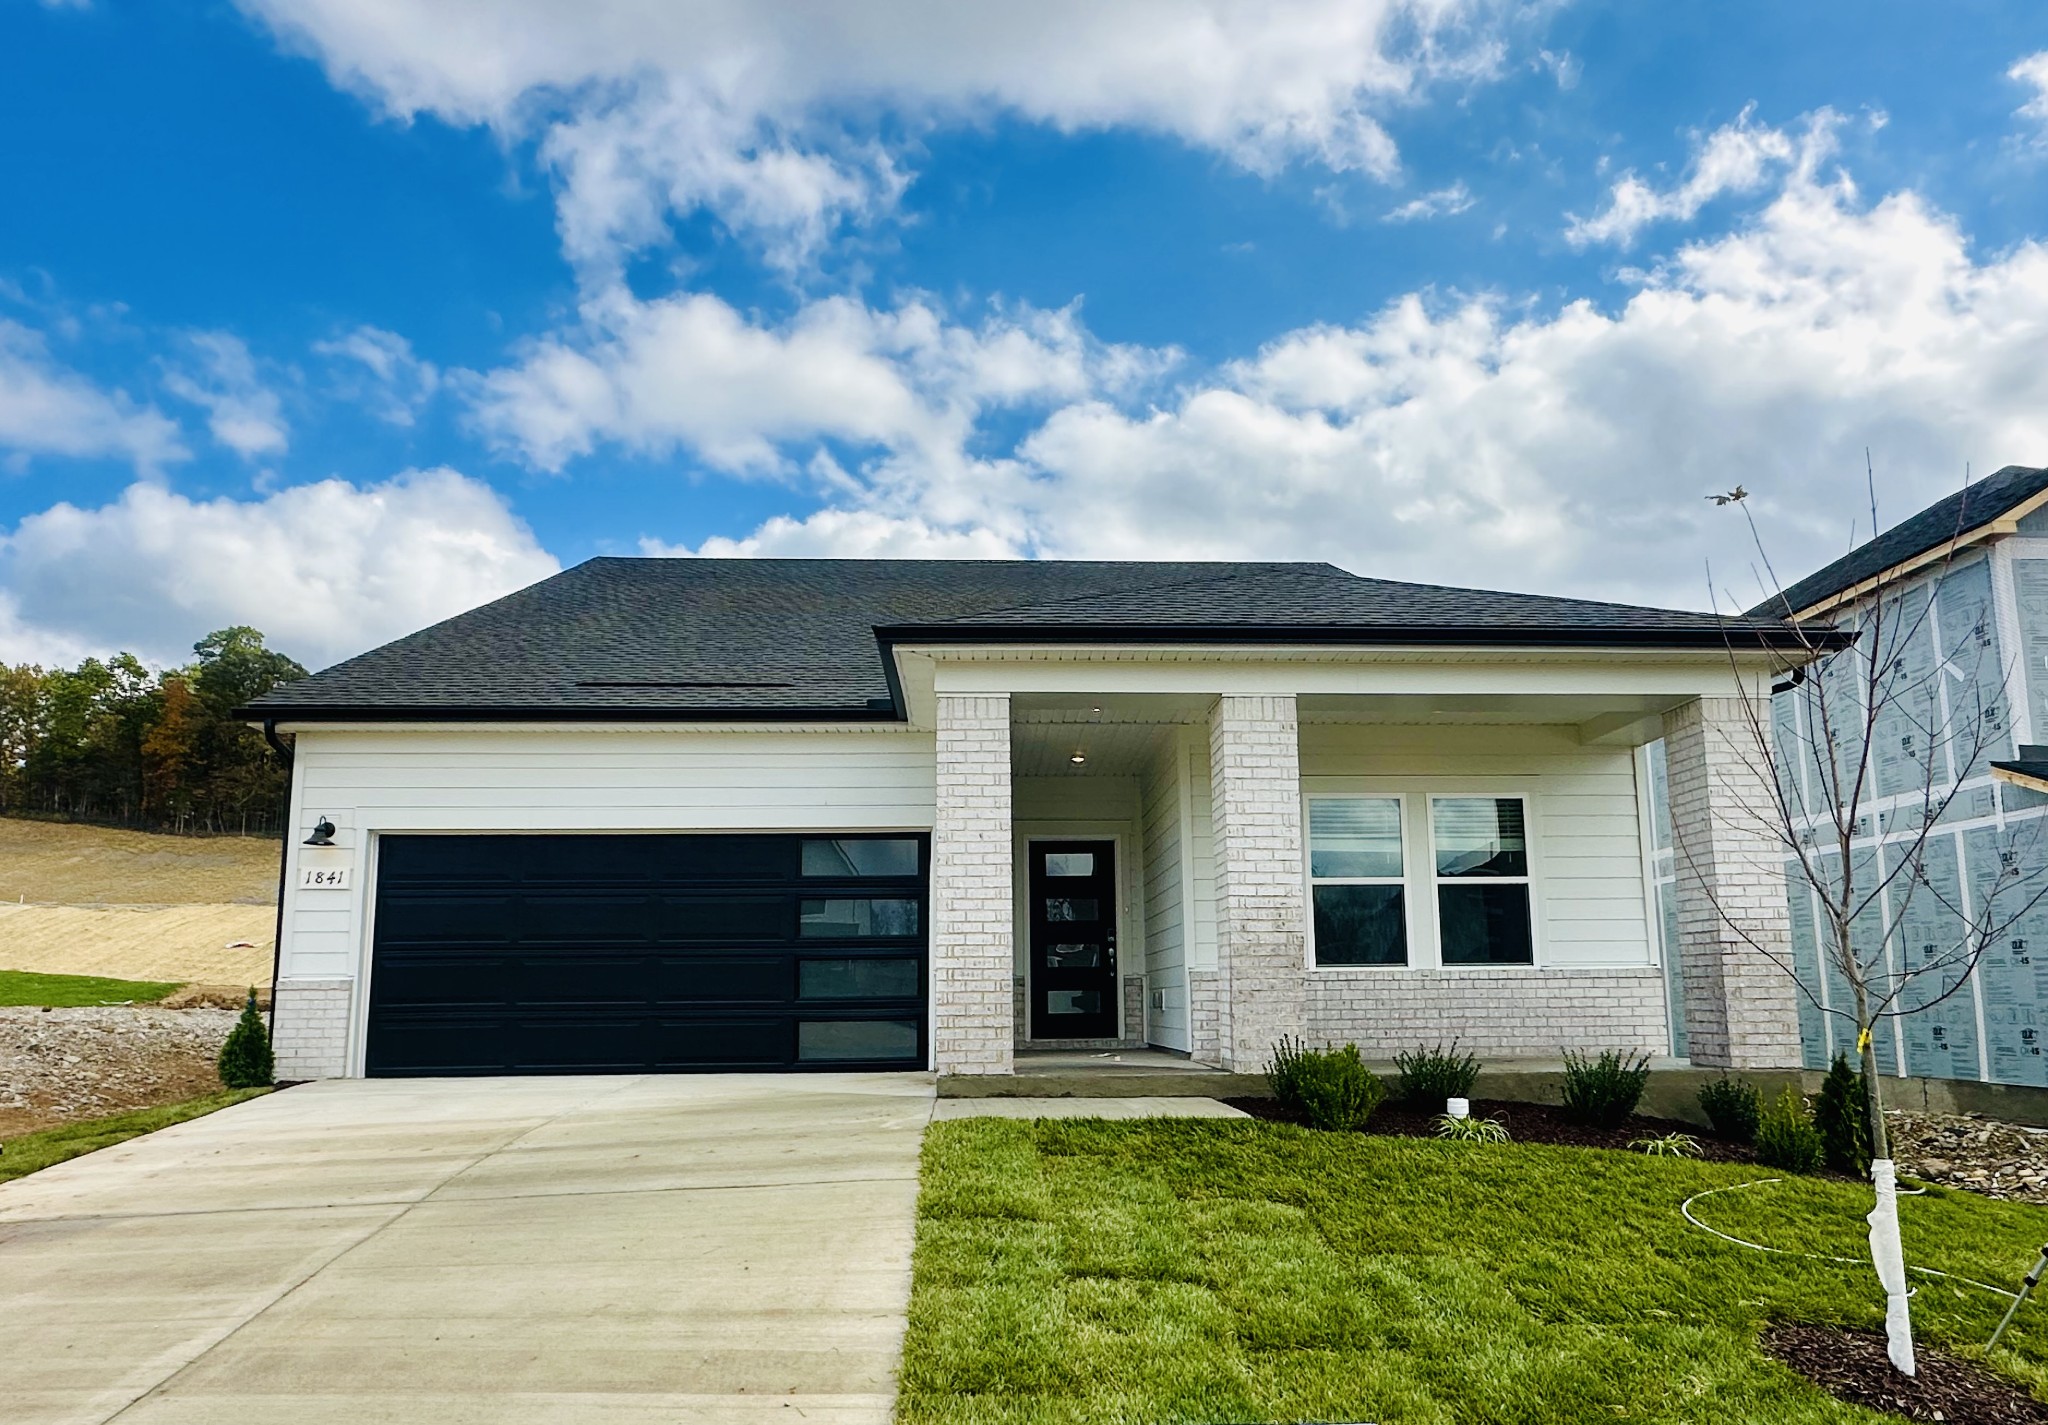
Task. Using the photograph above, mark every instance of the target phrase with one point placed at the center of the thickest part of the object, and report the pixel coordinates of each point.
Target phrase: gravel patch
(60, 1065)
(1968, 1151)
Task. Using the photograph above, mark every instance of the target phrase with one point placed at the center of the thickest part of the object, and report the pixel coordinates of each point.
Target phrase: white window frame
(1406, 880)
(1526, 881)
(1425, 933)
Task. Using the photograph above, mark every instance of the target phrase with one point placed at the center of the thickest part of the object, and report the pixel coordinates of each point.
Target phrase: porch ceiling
(1118, 732)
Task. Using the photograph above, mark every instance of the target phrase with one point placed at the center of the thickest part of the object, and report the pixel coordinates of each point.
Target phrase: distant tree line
(114, 742)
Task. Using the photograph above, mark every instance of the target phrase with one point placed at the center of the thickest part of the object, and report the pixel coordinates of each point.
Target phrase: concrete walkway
(476, 1252)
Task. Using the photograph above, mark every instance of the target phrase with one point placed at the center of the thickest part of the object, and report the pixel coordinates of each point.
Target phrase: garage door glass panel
(856, 1039)
(859, 919)
(757, 979)
(699, 919)
(441, 917)
(583, 979)
(582, 920)
(720, 1043)
(859, 979)
(861, 856)
(444, 979)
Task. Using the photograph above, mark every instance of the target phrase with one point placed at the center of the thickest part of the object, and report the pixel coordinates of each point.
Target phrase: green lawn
(31, 1152)
(1180, 1270)
(68, 991)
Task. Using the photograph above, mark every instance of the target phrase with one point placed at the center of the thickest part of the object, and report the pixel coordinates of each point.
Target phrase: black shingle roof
(1974, 504)
(664, 638)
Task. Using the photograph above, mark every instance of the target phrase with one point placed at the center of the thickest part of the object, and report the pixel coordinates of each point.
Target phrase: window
(856, 1039)
(1482, 871)
(857, 979)
(1356, 880)
(857, 919)
(864, 856)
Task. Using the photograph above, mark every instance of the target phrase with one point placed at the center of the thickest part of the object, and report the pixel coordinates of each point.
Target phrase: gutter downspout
(284, 851)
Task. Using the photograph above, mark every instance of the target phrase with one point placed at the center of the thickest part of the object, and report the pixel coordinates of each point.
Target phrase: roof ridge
(1229, 574)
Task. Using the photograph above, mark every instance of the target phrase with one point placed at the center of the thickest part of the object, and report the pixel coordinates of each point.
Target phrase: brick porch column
(1261, 906)
(1740, 1008)
(973, 910)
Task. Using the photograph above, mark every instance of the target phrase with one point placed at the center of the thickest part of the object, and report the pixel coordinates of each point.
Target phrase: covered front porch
(1181, 869)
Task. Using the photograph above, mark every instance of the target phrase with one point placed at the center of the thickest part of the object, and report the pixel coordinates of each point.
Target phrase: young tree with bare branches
(1869, 749)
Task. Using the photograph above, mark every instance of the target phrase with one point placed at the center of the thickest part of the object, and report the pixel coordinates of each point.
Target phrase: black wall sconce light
(323, 833)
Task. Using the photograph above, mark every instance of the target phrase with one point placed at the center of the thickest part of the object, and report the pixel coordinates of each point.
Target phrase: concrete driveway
(500, 1251)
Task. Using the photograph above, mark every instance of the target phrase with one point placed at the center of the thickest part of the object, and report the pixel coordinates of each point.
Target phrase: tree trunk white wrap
(1890, 1260)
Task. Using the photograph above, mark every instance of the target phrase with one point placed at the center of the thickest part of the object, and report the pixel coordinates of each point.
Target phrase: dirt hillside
(54, 863)
(86, 900)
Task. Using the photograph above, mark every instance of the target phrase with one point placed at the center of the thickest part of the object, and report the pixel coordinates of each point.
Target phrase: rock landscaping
(1970, 1151)
(61, 1065)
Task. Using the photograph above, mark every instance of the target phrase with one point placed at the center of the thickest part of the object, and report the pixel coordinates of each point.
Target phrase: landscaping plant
(1435, 1074)
(245, 1060)
(1786, 1137)
(1733, 1106)
(1838, 1114)
(1669, 1145)
(1331, 1087)
(1603, 1092)
(1470, 1130)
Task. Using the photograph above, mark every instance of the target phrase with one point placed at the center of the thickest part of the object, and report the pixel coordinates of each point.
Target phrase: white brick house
(683, 815)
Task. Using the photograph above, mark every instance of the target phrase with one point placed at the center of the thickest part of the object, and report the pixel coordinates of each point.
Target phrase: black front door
(1073, 940)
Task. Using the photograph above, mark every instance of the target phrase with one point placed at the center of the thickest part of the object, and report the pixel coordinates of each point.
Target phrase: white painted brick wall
(309, 1028)
(1740, 1010)
(1498, 1010)
(1205, 996)
(972, 904)
(1255, 774)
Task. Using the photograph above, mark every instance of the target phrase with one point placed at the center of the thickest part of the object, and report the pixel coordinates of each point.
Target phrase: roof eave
(1741, 638)
(343, 712)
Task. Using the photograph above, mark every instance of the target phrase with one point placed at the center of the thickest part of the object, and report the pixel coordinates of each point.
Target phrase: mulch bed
(1852, 1366)
(1525, 1123)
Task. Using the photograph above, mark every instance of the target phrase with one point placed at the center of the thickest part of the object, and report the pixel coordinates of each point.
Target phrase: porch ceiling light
(323, 833)
(1079, 757)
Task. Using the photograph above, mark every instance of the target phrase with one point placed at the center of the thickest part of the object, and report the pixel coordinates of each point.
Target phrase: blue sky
(337, 320)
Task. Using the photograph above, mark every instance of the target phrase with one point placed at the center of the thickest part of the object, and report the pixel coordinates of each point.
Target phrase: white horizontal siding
(1587, 832)
(468, 780)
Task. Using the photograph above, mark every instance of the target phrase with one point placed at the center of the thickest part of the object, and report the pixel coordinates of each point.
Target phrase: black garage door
(615, 954)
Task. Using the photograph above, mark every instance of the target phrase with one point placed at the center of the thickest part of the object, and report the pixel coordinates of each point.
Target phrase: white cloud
(1482, 442)
(846, 534)
(382, 373)
(2033, 72)
(325, 570)
(1439, 203)
(651, 106)
(1742, 157)
(691, 372)
(242, 412)
(48, 409)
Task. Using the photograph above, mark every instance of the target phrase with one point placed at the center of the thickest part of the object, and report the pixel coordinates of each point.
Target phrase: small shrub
(1331, 1087)
(1840, 1117)
(1603, 1092)
(1470, 1130)
(1283, 1070)
(1670, 1145)
(1733, 1107)
(1435, 1074)
(1337, 1090)
(1786, 1137)
(245, 1059)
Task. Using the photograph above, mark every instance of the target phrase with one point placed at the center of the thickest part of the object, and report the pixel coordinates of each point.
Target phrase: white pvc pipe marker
(1890, 1260)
